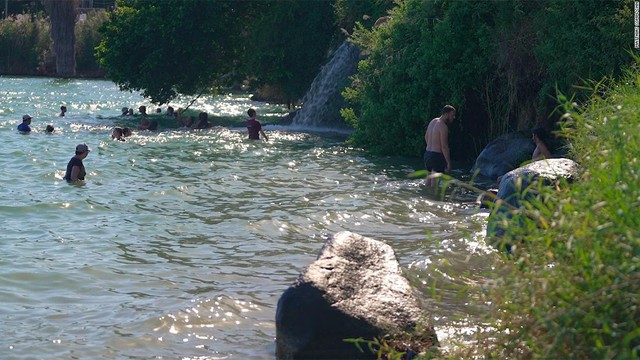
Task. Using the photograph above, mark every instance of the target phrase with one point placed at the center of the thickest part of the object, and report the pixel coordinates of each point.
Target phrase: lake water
(179, 243)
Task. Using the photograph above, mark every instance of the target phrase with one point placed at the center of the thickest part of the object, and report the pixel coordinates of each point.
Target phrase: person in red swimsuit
(254, 127)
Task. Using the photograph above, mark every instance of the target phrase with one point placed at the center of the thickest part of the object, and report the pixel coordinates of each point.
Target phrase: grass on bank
(573, 289)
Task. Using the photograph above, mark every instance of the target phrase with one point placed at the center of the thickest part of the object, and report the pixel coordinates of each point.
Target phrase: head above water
(251, 113)
(117, 133)
(26, 118)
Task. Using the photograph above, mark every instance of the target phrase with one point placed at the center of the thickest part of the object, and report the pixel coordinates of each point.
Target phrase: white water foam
(321, 105)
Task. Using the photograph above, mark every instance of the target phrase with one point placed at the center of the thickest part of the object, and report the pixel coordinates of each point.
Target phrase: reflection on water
(180, 242)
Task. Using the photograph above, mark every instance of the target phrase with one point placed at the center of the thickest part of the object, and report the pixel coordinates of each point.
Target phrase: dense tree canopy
(287, 42)
(498, 62)
(168, 47)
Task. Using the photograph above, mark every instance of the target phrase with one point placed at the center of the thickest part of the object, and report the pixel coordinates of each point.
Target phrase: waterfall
(322, 102)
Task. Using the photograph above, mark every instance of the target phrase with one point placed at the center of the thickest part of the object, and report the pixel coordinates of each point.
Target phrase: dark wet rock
(355, 289)
(503, 154)
(288, 119)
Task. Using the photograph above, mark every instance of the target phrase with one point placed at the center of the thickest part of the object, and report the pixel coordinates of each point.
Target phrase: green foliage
(87, 39)
(166, 47)
(24, 43)
(380, 348)
(572, 291)
(398, 346)
(348, 13)
(163, 48)
(499, 63)
(585, 40)
(419, 61)
(287, 43)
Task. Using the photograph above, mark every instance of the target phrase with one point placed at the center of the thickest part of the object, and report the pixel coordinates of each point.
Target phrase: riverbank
(571, 290)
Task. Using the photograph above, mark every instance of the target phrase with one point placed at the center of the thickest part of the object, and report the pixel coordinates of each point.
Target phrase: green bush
(26, 46)
(87, 39)
(24, 42)
(573, 285)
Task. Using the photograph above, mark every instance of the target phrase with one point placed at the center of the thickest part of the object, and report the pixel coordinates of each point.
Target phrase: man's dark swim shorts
(434, 161)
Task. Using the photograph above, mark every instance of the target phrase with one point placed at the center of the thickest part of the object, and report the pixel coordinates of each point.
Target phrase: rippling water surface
(180, 242)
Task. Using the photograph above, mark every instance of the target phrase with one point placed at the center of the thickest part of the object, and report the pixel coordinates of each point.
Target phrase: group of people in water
(437, 157)
(25, 126)
(201, 122)
(75, 170)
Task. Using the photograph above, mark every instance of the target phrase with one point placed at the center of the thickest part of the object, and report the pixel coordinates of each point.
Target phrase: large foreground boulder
(521, 184)
(355, 289)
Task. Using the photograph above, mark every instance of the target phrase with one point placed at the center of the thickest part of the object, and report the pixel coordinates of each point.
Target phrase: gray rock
(521, 185)
(548, 170)
(355, 289)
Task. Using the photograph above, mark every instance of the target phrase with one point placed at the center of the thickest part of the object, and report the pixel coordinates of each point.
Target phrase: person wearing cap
(24, 127)
(75, 167)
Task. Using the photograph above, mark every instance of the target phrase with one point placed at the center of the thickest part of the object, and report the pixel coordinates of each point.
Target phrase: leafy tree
(87, 39)
(287, 43)
(166, 47)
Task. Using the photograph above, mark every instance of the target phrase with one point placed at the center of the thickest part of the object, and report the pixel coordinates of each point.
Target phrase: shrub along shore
(26, 46)
(574, 282)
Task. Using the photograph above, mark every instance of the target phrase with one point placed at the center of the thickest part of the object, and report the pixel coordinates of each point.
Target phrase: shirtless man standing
(436, 156)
